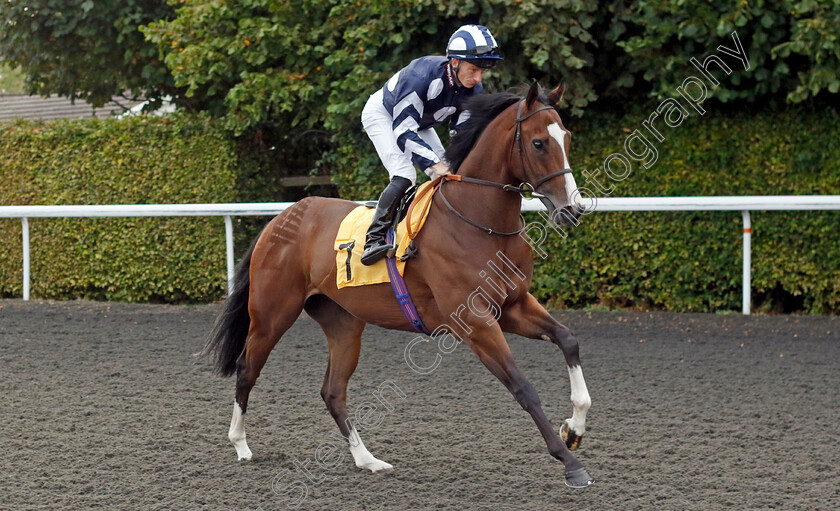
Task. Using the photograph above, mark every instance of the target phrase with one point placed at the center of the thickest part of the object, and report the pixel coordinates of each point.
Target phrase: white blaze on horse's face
(572, 193)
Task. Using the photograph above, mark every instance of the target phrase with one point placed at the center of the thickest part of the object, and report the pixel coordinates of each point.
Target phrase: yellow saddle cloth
(350, 241)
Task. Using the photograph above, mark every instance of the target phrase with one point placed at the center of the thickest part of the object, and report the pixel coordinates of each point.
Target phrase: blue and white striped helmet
(474, 43)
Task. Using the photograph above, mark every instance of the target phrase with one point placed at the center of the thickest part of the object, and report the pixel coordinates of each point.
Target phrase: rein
(455, 177)
(526, 190)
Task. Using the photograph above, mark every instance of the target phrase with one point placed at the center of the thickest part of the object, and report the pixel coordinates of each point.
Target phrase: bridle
(526, 190)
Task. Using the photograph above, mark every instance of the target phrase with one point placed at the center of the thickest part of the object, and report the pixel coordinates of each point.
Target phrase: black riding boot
(375, 246)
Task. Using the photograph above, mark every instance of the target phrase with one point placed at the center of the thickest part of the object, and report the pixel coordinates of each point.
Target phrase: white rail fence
(744, 204)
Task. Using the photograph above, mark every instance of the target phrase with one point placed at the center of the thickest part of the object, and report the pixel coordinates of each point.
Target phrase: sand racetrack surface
(105, 406)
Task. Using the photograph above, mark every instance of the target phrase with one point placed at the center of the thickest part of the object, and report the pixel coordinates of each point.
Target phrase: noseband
(526, 190)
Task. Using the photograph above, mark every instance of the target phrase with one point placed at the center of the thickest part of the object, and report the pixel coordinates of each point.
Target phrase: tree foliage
(315, 62)
(11, 80)
(311, 63)
(814, 38)
(793, 45)
(309, 66)
(89, 50)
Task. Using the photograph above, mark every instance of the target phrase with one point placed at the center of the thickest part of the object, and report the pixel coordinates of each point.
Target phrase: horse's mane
(483, 109)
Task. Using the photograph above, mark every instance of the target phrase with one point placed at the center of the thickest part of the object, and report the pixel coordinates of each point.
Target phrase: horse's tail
(227, 340)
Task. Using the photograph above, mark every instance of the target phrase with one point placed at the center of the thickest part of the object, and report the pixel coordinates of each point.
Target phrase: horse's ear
(533, 94)
(556, 96)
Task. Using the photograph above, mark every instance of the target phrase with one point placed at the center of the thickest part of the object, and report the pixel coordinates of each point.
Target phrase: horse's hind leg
(272, 313)
(344, 334)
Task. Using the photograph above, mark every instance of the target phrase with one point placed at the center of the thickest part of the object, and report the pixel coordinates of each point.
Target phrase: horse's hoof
(377, 467)
(242, 450)
(579, 478)
(571, 438)
(383, 471)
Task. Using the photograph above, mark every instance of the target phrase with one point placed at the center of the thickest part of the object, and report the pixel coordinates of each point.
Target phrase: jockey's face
(469, 75)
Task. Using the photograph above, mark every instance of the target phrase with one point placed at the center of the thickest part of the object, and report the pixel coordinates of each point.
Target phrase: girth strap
(401, 291)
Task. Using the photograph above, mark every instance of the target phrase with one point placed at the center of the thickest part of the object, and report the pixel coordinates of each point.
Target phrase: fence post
(25, 225)
(747, 263)
(229, 249)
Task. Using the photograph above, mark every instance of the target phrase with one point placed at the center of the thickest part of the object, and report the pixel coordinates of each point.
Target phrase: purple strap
(401, 291)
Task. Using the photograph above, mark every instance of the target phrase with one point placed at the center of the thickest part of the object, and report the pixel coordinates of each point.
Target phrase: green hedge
(132, 161)
(683, 261)
(691, 261)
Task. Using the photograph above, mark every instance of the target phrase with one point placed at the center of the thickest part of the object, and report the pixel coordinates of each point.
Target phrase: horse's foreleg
(494, 353)
(344, 334)
(530, 319)
(573, 429)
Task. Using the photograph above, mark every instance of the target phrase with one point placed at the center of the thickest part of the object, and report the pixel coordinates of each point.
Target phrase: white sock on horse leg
(363, 457)
(580, 400)
(236, 433)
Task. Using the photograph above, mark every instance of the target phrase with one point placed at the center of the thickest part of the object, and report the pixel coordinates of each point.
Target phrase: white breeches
(379, 126)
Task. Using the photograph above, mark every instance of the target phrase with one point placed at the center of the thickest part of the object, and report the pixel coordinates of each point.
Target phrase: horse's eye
(539, 144)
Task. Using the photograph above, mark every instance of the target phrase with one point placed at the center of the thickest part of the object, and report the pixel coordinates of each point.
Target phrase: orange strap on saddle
(431, 189)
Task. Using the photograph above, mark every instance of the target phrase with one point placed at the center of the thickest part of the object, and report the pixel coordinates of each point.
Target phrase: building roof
(22, 106)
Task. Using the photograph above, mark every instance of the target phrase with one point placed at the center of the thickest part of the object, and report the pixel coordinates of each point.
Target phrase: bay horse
(509, 144)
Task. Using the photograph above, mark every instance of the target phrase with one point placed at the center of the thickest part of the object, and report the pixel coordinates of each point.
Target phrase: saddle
(350, 240)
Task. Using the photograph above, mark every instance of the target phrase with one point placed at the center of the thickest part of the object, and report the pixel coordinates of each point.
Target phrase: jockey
(400, 118)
